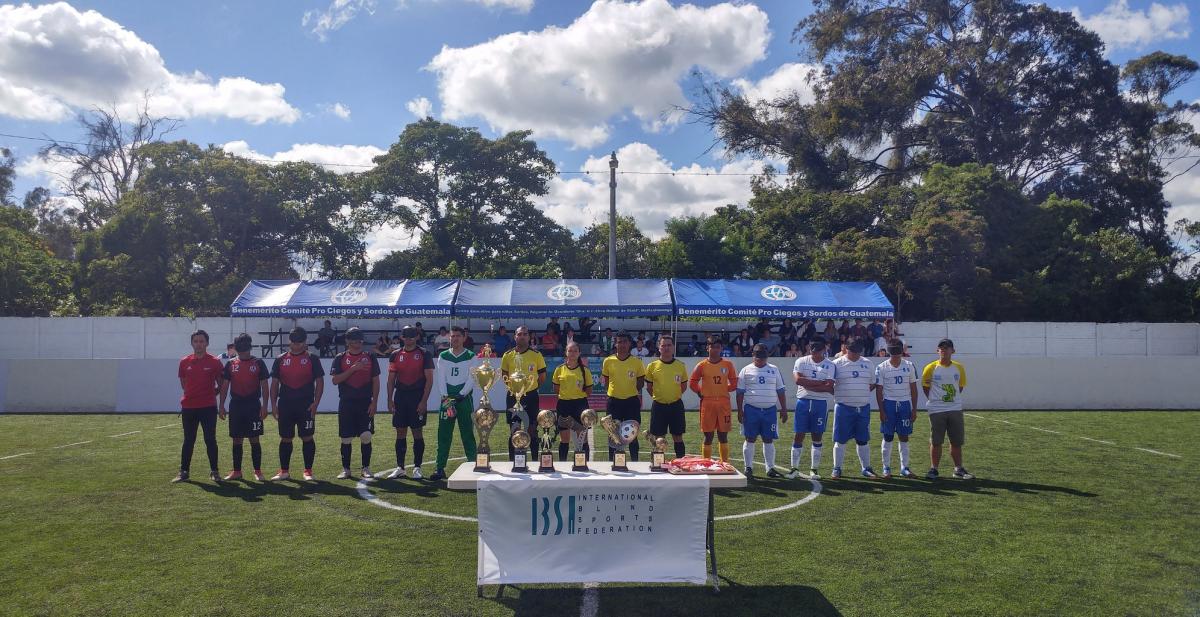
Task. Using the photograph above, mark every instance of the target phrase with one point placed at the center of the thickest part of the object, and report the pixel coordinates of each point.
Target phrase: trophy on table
(519, 384)
(547, 421)
(485, 416)
(620, 435)
(587, 419)
(658, 454)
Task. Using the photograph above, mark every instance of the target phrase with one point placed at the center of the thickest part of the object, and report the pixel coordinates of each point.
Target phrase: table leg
(711, 541)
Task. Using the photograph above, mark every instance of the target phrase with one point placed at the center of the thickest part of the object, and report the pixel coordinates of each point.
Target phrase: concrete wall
(140, 385)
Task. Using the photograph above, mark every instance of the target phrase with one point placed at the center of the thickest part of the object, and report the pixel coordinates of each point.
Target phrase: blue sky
(334, 80)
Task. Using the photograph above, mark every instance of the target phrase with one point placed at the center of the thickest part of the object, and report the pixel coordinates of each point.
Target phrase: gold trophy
(658, 456)
(620, 434)
(587, 420)
(519, 384)
(547, 421)
(485, 416)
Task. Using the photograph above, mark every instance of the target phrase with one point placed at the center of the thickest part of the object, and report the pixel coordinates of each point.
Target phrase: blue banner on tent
(779, 299)
(563, 298)
(368, 298)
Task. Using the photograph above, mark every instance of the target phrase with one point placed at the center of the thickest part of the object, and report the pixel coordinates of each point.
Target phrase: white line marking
(1110, 443)
(78, 443)
(124, 434)
(1157, 452)
(3, 458)
(590, 606)
(1044, 430)
(166, 426)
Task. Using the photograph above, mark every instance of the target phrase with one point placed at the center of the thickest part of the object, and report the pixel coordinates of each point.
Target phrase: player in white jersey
(852, 414)
(813, 375)
(761, 394)
(896, 393)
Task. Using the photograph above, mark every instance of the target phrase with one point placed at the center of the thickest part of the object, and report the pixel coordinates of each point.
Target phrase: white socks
(839, 454)
(769, 455)
(748, 453)
(886, 448)
(864, 455)
(796, 451)
(816, 455)
(904, 454)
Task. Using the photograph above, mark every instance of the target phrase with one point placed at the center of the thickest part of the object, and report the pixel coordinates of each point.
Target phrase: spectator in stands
(793, 351)
(761, 330)
(844, 329)
(568, 336)
(743, 341)
(441, 342)
(554, 327)
(875, 330)
(420, 334)
(468, 340)
(787, 330)
(694, 347)
(831, 332)
(325, 338)
(859, 332)
(550, 343)
(585, 329)
(607, 343)
(501, 342)
(640, 350)
(808, 331)
(728, 352)
(843, 347)
(772, 343)
(397, 343)
(229, 353)
(381, 346)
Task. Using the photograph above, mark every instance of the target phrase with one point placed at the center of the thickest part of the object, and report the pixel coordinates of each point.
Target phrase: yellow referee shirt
(623, 375)
(530, 361)
(571, 382)
(669, 379)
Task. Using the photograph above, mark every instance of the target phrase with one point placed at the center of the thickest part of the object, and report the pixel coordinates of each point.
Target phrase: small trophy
(520, 441)
(547, 421)
(620, 434)
(658, 455)
(485, 420)
(587, 420)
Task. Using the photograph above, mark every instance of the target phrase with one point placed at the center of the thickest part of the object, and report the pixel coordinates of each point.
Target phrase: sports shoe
(962, 474)
(308, 475)
(869, 473)
(932, 474)
(905, 472)
(214, 476)
(366, 474)
(793, 474)
(837, 473)
(887, 473)
(182, 477)
(233, 475)
(438, 475)
(396, 473)
(417, 475)
(813, 475)
(282, 475)
(345, 475)
(258, 477)
(748, 472)
(772, 473)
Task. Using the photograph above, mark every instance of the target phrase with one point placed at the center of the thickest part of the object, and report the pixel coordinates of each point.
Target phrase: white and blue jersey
(812, 408)
(852, 415)
(896, 382)
(760, 387)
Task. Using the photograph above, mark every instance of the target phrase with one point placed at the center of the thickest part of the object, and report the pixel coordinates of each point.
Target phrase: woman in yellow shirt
(572, 383)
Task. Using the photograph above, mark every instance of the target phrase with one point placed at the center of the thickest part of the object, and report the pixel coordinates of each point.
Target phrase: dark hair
(856, 346)
(946, 344)
(228, 345)
(460, 330)
(715, 340)
(298, 335)
(199, 333)
(666, 336)
(243, 342)
(622, 335)
(895, 346)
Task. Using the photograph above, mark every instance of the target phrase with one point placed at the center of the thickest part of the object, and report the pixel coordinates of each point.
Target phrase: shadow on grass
(416, 488)
(255, 491)
(661, 600)
(945, 486)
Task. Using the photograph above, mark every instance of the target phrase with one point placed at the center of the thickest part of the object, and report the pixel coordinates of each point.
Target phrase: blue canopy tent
(563, 298)
(779, 299)
(369, 298)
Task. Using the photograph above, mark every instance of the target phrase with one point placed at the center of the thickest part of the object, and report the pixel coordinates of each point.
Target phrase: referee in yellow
(533, 364)
(624, 376)
(666, 380)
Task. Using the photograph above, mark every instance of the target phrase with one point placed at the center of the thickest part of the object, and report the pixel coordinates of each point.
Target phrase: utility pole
(612, 216)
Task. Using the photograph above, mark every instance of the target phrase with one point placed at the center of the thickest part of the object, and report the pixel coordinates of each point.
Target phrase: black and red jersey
(201, 376)
(297, 374)
(409, 367)
(359, 384)
(245, 377)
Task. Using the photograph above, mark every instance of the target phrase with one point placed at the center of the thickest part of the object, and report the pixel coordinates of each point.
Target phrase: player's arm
(926, 379)
(337, 375)
(425, 393)
(641, 385)
(697, 377)
(875, 385)
(733, 382)
(275, 397)
(264, 385)
(741, 401)
(374, 394)
(912, 385)
(781, 392)
(587, 382)
(222, 391)
(962, 378)
(649, 383)
(318, 381)
(391, 387)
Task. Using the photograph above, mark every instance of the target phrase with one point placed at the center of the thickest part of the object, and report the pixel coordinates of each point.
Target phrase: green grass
(1055, 525)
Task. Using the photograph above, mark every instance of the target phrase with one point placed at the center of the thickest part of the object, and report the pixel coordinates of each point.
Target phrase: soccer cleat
(438, 475)
(308, 475)
(233, 475)
(813, 475)
(836, 474)
(905, 472)
(214, 476)
(258, 477)
(416, 474)
(773, 473)
(345, 475)
(887, 473)
(869, 473)
(962, 474)
(366, 474)
(793, 474)
(282, 475)
(932, 474)
(396, 473)
(748, 472)
(182, 477)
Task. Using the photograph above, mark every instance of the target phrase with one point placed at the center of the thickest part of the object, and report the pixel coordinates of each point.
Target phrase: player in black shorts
(298, 381)
(245, 379)
(572, 384)
(356, 374)
(410, 377)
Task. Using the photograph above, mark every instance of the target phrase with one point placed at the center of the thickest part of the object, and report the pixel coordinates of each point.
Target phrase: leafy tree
(589, 256)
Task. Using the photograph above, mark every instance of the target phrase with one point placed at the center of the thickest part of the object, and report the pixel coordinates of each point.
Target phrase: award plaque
(579, 434)
(520, 441)
(547, 422)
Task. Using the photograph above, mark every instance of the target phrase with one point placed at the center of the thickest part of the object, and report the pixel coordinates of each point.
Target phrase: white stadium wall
(128, 364)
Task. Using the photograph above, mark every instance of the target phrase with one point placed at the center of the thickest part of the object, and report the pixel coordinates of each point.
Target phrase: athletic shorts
(851, 423)
(408, 412)
(294, 417)
(529, 404)
(811, 415)
(667, 418)
(570, 409)
(760, 422)
(245, 418)
(354, 417)
(897, 418)
(943, 422)
(715, 415)
(623, 409)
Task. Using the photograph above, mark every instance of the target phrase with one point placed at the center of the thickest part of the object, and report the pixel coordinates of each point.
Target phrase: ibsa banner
(592, 529)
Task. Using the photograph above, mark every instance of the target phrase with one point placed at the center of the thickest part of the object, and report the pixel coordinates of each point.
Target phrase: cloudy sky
(336, 81)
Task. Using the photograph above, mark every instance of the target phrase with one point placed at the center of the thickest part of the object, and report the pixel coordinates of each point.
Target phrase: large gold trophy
(485, 416)
(547, 421)
(519, 384)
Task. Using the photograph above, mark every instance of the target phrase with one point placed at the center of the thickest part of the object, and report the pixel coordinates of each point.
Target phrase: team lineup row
(419, 384)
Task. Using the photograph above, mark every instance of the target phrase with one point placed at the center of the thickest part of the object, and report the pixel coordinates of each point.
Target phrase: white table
(467, 479)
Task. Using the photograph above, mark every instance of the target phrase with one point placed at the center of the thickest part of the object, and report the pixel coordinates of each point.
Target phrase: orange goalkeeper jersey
(715, 380)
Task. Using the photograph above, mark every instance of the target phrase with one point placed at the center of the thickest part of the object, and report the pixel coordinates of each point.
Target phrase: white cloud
(783, 81)
(520, 6)
(338, 14)
(340, 159)
(336, 109)
(382, 241)
(1123, 28)
(420, 107)
(567, 83)
(578, 201)
(54, 59)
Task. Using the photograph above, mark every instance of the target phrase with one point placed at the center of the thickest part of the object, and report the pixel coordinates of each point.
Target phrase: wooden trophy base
(620, 461)
(580, 461)
(521, 461)
(483, 462)
(658, 462)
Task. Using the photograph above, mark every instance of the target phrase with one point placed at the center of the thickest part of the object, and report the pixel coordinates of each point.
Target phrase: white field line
(4, 458)
(1157, 452)
(124, 434)
(1107, 443)
(166, 426)
(68, 445)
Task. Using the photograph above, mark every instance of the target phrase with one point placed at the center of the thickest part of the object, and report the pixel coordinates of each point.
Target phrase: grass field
(1055, 524)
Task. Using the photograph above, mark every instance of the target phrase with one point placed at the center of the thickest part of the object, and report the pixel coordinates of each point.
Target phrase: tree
(707, 246)
(589, 257)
